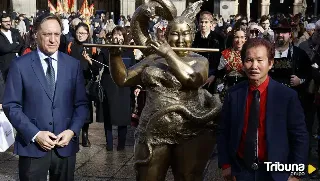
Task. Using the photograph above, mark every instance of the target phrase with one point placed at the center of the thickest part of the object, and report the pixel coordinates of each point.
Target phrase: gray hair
(318, 25)
(310, 26)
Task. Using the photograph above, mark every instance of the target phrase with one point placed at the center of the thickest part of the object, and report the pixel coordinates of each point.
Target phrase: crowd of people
(295, 64)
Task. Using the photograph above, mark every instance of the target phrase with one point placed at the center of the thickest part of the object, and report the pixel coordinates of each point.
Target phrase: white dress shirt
(45, 66)
(9, 37)
(283, 54)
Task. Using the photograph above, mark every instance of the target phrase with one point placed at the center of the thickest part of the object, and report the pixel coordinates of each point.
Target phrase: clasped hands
(48, 140)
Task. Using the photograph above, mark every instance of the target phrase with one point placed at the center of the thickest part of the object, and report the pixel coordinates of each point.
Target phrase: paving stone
(92, 169)
(9, 170)
(5, 156)
(97, 164)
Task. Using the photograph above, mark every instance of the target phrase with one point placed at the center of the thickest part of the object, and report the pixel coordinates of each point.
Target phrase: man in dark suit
(45, 101)
(262, 121)
(11, 44)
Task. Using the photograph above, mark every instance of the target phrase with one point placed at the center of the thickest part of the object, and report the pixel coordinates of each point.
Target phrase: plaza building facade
(249, 8)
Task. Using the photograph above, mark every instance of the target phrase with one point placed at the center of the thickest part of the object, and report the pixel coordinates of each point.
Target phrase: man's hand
(46, 140)
(292, 178)
(209, 80)
(226, 174)
(294, 81)
(64, 138)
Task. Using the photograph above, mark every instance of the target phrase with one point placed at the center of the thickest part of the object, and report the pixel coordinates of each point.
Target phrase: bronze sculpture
(178, 122)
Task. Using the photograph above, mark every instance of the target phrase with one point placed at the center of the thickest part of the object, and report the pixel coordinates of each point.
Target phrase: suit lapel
(60, 75)
(38, 70)
(271, 100)
(241, 100)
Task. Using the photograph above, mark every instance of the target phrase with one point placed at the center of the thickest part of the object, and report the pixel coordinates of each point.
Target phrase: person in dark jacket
(11, 44)
(117, 104)
(205, 38)
(2, 87)
(84, 55)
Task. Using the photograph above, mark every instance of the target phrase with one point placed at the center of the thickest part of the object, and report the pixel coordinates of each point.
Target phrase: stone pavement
(96, 163)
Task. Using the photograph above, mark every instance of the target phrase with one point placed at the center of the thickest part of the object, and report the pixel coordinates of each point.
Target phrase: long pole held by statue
(146, 47)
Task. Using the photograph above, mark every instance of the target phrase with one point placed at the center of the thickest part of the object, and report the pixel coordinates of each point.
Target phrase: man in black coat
(11, 44)
(292, 67)
(205, 38)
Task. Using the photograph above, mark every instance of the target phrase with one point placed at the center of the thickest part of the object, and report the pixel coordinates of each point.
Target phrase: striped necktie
(50, 76)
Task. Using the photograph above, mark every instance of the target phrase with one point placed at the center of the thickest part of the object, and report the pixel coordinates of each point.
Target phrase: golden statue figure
(177, 125)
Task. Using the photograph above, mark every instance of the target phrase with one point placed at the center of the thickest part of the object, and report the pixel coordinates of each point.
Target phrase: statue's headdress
(192, 11)
(166, 10)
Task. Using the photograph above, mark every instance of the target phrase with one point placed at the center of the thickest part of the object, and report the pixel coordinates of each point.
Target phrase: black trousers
(36, 169)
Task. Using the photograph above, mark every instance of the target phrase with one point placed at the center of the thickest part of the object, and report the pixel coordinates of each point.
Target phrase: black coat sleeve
(2, 86)
(304, 70)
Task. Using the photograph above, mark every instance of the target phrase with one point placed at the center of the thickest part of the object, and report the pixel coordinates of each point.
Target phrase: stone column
(297, 6)
(21, 6)
(75, 6)
(265, 7)
(236, 7)
(127, 7)
(248, 10)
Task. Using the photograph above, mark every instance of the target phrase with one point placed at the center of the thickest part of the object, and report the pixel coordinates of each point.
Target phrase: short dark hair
(84, 25)
(264, 18)
(123, 31)
(206, 13)
(256, 42)
(41, 19)
(5, 15)
(237, 15)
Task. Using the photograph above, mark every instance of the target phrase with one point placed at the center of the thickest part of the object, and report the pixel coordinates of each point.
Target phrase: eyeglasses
(6, 21)
(244, 23)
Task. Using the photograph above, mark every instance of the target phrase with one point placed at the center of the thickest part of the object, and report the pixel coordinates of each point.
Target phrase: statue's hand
(161, 48)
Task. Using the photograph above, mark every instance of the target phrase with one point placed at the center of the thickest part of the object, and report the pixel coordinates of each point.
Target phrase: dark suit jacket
(2, 87)
(8, 51)
(30, 109)
(286, 132)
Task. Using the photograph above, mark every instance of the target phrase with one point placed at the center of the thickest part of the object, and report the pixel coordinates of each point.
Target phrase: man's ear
(271, 62)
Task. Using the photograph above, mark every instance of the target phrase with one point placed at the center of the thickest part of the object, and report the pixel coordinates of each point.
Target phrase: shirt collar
(282, 54)
(43, 56)
(262, 87)
(205, 35)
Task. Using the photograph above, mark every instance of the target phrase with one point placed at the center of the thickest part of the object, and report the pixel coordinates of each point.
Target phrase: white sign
(294, 169)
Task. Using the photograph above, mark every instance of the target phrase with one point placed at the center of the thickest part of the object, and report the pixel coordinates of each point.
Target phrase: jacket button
(50, 123)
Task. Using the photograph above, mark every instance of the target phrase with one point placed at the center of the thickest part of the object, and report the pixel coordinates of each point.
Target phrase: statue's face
(180, 35)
